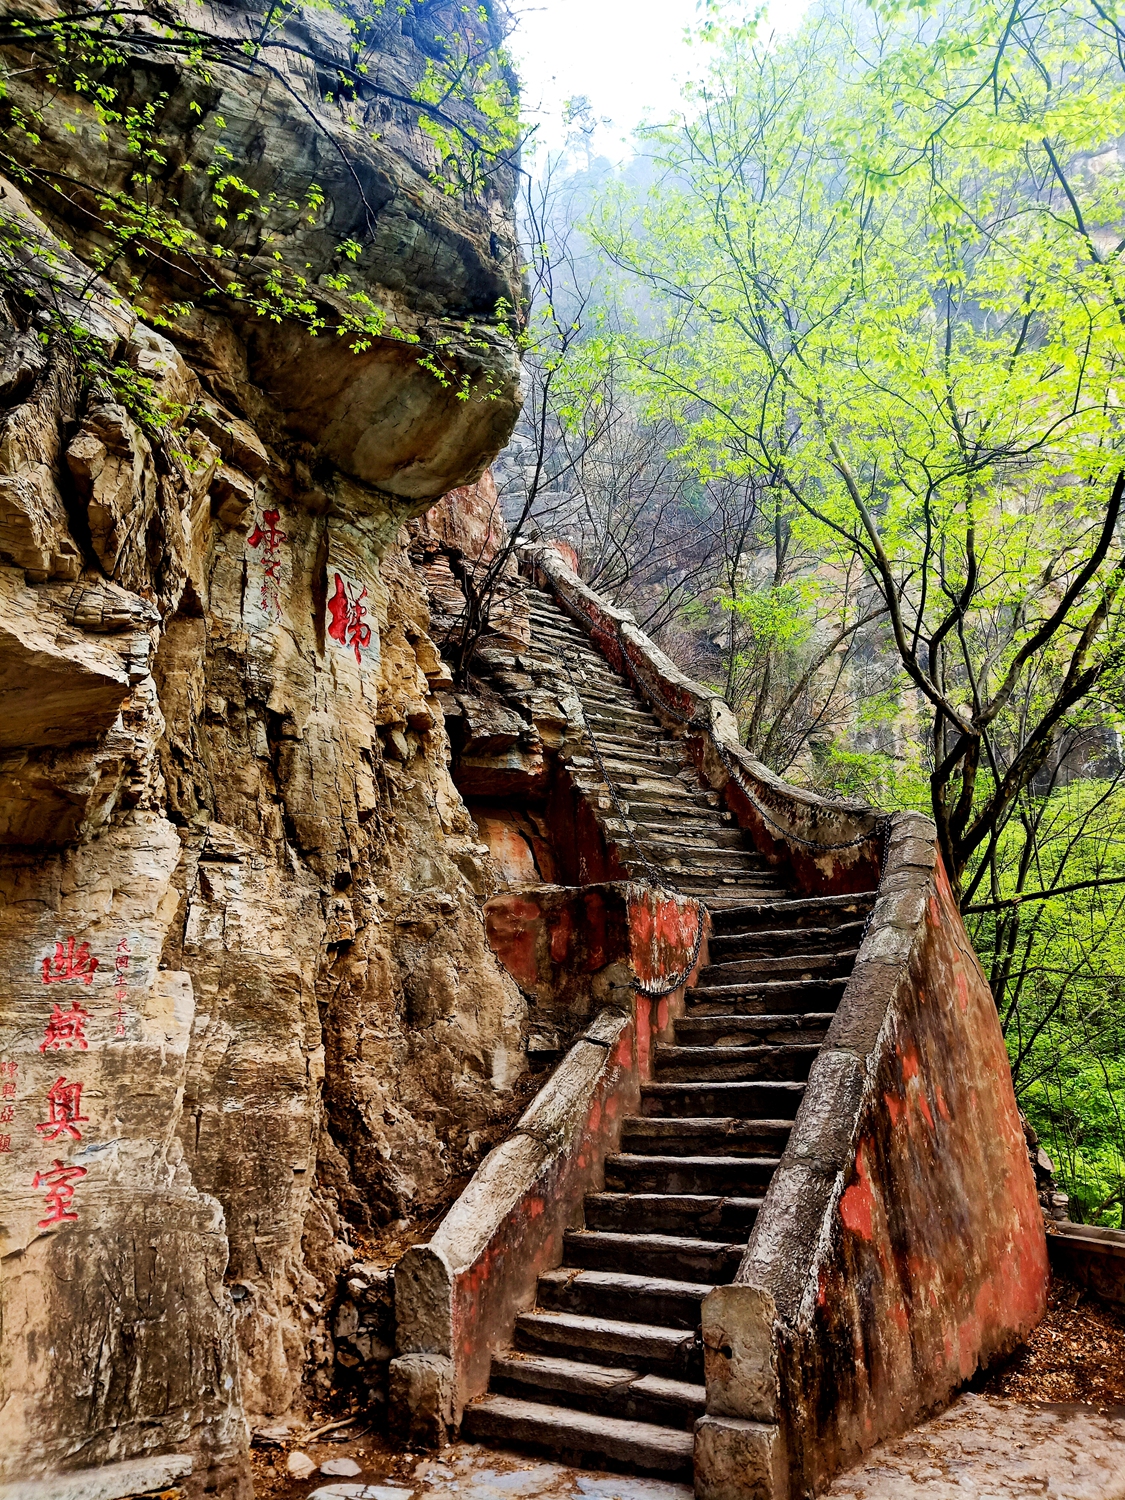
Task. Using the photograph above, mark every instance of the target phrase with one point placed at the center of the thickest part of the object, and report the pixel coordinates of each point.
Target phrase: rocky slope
(250, 1020)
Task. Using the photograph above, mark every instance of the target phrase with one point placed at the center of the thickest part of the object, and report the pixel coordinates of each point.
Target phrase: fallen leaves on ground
(1076, 1354)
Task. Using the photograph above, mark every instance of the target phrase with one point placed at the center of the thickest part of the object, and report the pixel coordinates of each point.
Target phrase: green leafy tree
(882, 256)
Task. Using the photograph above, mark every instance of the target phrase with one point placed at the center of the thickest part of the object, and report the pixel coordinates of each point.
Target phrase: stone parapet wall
(1091, 1256)
(457, 1297)
(900, 1245)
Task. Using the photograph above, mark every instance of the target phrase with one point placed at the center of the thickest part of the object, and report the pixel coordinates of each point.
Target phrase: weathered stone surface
(738, 1460)
(231, 854)
(987, 1449)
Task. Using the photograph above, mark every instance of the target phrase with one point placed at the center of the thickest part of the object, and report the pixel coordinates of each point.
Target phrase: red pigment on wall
(560, 935)
(858, 1202)
(510, 925)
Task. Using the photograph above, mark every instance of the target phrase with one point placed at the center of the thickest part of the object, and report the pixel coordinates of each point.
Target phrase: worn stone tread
(642, 1445)
(653, 1343)
(623, 1282)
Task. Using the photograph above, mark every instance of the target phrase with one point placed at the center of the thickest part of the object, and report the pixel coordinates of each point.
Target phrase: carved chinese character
(60, 1183)
(269, 538)
(8, 1069)
(8, 1091)
(348, 613)
(121, 977)
(66, 1028)
(64, 1111)
(7, 1114)
(5, 1142)
(69, 963)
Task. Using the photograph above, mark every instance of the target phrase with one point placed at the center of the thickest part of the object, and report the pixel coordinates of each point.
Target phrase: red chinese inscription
(121, 983)
(60, 1182)
(348, 613)
(66, 1028)
(64, 1111)
(7, 1114)
(71, 961)
(5, 1143)
(8, 1090)
(266, 536)
(9, 1069)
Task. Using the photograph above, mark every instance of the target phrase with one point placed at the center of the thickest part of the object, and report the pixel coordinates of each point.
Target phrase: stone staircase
(608, 1367)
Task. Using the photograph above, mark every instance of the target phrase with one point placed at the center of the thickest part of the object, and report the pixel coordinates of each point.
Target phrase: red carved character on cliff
(66, 1028)
(64, 1111)
(60, 1182)
(69, 962)
(348, 613)
(267, 536)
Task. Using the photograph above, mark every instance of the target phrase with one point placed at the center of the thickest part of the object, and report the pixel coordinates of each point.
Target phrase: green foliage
(1053, 939)
(886, 283)
(232, 250)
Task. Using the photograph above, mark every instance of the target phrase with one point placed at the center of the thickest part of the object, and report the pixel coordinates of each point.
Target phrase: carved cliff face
(250, 1018)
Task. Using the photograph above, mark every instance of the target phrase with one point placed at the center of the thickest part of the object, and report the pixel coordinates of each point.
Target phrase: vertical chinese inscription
(269, 539)
(65, 1031)
(8, 1074)
(121, 985)
(348, 615)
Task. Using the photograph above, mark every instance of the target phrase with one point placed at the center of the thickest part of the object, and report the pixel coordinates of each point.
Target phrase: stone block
(421, 1399)
(737, 1460)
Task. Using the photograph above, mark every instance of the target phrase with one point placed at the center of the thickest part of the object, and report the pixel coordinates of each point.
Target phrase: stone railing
(1091, 1256)
(616, 958)
(900, 1245)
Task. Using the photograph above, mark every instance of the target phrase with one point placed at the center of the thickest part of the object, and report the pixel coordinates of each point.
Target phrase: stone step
(771, 997)
(645, 752)
(719, 871)
(722, 1061)
(607, 1389)
(688, 1214)
(614, 695)
(780, 940)
(704, 1135)
(620, 713)
(655, 1254)
(701, 818)
(695, 1098)
(690, 834)
(627, 770)
(630, 780)
(579, 1437)
(621, 1294)
(642, 1346)
(584, 765)
(773, 1031)
(557, 623)
(738, 970)
(794, 911)
(744, 1176)
(704, 846)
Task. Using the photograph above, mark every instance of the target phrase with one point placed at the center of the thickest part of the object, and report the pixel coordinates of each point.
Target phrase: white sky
(626, 55)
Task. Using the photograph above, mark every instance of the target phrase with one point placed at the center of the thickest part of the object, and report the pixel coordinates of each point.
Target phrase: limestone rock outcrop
(251, 1023)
